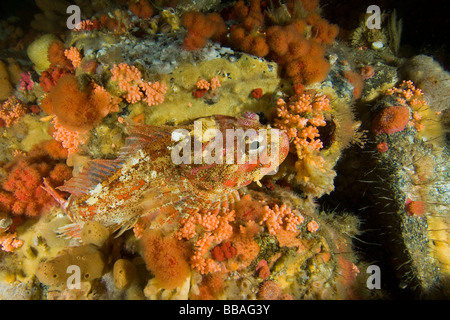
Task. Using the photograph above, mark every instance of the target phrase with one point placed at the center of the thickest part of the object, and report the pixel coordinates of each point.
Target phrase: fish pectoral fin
(215, 204)
(120, 229)
(94, 173)
(50, 190)
(70, 231)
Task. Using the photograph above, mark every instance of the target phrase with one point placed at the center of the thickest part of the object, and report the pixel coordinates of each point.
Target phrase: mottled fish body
(145, 180)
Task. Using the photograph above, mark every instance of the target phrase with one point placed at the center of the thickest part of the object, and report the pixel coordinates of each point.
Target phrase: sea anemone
(390, 120)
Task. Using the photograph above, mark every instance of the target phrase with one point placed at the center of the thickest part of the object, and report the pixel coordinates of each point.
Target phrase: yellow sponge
(93, 232)
(38, 49)
(124, 272)
(55, 272)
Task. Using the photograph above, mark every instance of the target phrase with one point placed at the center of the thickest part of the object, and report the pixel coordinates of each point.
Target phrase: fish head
(230, 153)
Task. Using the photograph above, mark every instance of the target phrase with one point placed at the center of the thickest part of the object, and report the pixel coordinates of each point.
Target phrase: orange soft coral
(278, 216)
(312, 226)
(254, 43)
(74, 55)
(248, 35)
(203, 84)
(153, 92)
(165, 257)
(11, 111)
(250, 17)
(9, 242)
(208, 228)
(50, 77)
(201, 28)
(298, 47)
(141, 8)
(311, 69)
(76, 109)
(303, 59)
(203, 87)
(322, 31)
(299, 52)
(70, 140)
(301, 117)
(56, 55)
(407, 94)
(21, 192)
(129, 80)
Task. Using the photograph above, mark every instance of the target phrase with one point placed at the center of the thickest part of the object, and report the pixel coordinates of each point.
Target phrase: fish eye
(254, 145)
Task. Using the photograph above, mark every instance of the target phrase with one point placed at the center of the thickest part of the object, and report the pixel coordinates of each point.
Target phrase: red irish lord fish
(164, 172)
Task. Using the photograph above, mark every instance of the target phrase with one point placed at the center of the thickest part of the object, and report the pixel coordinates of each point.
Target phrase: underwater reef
(121, 179)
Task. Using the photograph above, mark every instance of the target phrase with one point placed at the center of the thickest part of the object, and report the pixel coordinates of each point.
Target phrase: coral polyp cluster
(11, 111)
(129, 80)
(219, 150)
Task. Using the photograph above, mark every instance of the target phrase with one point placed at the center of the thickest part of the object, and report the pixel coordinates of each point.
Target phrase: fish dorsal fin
(140, 136)
(99, 170)
(94, 173)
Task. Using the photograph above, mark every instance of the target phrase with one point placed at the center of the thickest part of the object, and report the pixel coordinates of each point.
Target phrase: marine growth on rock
(219, 150)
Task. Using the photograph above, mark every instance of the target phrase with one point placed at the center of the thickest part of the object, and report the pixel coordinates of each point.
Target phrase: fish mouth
(284, 145)
(273, 161)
